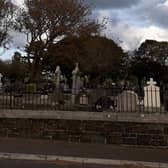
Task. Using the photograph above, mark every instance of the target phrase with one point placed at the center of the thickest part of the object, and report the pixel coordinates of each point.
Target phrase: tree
(150, 60)
(6, 14)
(15, 70)
(154, 50)
(145, 68)
(97, 56)
(45, 22)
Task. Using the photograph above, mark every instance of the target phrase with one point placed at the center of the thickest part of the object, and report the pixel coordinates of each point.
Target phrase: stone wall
(128, 133)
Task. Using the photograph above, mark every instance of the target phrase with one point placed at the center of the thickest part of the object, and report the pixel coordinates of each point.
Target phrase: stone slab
(80, 115)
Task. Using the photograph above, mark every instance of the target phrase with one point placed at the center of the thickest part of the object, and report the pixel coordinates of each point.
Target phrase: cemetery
(78, 97)
(108, 115)
(74, 109)
(80, 71)
(71, 83)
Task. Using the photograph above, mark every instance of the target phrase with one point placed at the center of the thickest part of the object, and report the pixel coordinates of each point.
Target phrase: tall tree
(6, 14)
(97, 56)
(150, 60)
(45, 22)
(145, 68)
(153, 50)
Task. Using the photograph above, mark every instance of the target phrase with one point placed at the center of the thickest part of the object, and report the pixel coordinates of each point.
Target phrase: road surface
(42, 164)
(49, 147)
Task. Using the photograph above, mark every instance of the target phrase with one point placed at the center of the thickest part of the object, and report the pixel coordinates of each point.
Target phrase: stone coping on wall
(81, 115)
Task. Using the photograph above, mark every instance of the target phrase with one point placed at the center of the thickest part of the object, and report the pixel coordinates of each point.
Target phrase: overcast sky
(130, 22)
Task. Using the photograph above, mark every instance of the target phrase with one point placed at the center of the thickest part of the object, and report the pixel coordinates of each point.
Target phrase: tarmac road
(49, 147)
(42, 164)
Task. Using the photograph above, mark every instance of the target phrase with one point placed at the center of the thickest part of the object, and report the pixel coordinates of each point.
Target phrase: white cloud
(152, 12)
(17, 43)
(131, 36)
(109, 4)
(18, 40)
(7, 54)
(164, 4)
(18, 2)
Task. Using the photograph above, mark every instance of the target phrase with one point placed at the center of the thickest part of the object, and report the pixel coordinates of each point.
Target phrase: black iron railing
(98, 99)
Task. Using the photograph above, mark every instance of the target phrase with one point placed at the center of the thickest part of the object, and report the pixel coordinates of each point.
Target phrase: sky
(129, 22)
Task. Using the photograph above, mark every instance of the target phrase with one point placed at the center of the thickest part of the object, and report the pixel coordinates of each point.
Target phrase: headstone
(127, 101)
(76, 79)
(75, 82)
(58, 77)
(151, 95)
(57, 94)
(83, 99)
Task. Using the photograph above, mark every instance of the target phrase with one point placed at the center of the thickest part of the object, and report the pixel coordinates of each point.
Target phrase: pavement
(49, 150)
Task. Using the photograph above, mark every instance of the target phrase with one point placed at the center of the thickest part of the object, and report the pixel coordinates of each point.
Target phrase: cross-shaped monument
(151, 82)
(152, 96)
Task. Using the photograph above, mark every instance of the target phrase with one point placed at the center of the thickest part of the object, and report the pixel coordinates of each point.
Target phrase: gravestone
(75, 82)
(83, 99)
(57, 94)
(58, 77)
(151, 95)
(127, 101)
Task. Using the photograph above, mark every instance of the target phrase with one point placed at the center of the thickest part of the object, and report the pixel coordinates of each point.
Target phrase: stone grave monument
(56, 97)
(83, 99)
(151, 96)
(127, 101)
(75, 82)
(57, 77)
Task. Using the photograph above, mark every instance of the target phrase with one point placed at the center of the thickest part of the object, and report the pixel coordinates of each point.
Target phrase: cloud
(107, 4)
(17, 43)
(18, 2)
(132, 36)
(102, 4)
(152, 12)
(129, 36)
(18, 40)
(8, 54)
(142, 12)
